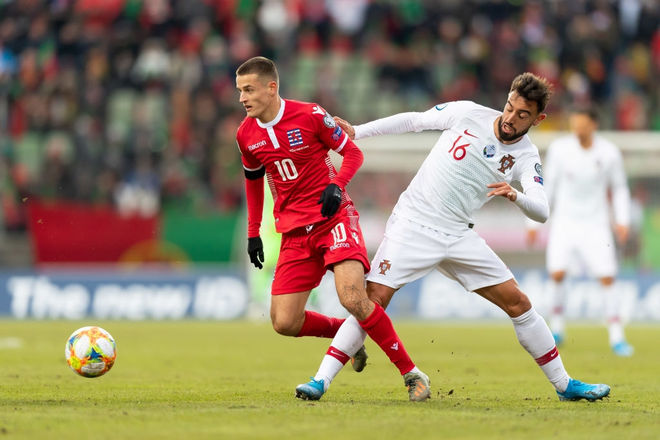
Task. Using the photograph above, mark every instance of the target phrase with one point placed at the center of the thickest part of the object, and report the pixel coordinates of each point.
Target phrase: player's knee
(518, 305)
(284, 326)
(380, 294)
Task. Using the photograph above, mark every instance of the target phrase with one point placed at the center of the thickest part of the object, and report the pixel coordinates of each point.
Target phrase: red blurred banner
(64, 232)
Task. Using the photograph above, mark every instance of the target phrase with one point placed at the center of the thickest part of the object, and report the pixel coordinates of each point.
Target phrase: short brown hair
(533, 88)
(262, 66)
(587, 110)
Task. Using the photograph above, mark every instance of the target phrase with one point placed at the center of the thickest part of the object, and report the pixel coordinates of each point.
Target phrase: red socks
(379, 328)
(319, 325)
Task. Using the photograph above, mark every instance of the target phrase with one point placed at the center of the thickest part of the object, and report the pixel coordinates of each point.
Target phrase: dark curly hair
(533, 88)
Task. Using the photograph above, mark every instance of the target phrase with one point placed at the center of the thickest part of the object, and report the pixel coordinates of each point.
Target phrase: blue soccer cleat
(623, 349)
(312, 390)
(577, 390)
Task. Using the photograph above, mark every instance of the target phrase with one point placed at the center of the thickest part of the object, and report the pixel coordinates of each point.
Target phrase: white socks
(612, 306)
(557, 292)
(348, 340)
(535, 337)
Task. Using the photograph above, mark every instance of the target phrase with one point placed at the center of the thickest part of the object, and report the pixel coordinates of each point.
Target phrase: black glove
(256, 251)
(331, 200)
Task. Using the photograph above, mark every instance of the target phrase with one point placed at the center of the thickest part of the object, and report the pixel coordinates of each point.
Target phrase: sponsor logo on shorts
(384, 266)
(440, 107)
(538, 179)
(340, 245)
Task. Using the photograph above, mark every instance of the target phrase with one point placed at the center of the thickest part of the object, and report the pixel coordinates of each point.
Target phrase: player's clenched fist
(256, 251)
(348, 128)
(330, 200)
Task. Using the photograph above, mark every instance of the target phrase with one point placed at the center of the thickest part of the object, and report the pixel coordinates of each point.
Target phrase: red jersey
(293, 148)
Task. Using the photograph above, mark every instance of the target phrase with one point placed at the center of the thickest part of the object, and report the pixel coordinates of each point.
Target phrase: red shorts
(306, 253)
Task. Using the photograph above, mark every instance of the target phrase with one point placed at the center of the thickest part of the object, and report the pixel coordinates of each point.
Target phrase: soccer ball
(90, 351)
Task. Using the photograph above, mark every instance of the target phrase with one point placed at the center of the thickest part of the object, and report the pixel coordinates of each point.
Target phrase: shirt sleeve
(327, 130)
(440, 117)
(534, 204)
(533, 201)
(254, 193)
(337, 140)
(620, 191)
(250, 163)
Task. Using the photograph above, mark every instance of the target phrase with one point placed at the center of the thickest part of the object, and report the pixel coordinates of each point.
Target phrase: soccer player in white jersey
(479, 153)
(579, 171)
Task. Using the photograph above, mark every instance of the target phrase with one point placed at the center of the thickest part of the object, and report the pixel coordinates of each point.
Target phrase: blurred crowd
(133, 102)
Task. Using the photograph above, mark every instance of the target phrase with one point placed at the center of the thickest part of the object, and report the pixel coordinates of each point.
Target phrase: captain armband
(255, 174)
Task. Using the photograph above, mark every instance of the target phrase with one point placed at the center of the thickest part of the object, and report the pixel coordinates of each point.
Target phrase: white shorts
(576, 248)
(410, 250)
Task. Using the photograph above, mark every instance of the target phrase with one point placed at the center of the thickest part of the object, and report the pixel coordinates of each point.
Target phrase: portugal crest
(384, 266)
(506, 163)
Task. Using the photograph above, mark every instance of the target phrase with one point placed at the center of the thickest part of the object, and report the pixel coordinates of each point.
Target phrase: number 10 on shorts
(339, 233)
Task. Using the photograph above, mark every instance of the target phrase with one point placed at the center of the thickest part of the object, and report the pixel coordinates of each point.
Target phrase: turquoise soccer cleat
(577, 390)
(623, 349)
(312, 390)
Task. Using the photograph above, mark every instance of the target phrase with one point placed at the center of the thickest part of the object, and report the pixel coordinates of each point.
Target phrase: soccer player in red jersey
(288, 142)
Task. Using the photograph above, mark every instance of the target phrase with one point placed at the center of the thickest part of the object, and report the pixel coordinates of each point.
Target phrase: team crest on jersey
(506, 163)
(295, 137)
(538, 169)
(384, 266)
(489, 151)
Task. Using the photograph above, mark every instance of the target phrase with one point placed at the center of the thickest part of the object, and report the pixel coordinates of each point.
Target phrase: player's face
(257, 95)
(582, 125)
(518, 117)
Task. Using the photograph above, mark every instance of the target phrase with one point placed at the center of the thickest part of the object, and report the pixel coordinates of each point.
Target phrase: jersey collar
(277, 118)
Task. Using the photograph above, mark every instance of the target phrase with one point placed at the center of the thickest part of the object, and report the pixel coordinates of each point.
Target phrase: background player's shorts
(410, 250)
(307, 253)
(574, 248)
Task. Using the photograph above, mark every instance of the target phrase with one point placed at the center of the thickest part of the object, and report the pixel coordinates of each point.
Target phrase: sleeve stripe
(339, 148)
(252, 169)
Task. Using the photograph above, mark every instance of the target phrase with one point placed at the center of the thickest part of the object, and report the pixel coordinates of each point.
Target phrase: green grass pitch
(236, 380)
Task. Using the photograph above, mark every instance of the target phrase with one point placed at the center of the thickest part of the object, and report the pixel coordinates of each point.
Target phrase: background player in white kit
(579, 171)
(477, 156)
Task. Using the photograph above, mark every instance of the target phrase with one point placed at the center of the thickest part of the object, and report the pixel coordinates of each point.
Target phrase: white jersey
(451, 183)
(578, 180)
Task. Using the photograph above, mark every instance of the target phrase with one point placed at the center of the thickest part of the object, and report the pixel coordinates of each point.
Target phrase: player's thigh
(408, 252)
(472, 263)
(598, 252)
(299, 268)
(560, 254)
(288, 306)
(340, 239)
